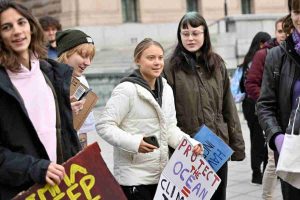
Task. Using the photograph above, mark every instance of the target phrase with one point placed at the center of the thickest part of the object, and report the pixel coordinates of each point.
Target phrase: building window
(130, 10)
(246, 7)
(192, 5)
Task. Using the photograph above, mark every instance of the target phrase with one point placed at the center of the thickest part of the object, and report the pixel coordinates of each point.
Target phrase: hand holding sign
(86, 177)
(198, 149)
(55, 174)
(187, 176)
(216, 151)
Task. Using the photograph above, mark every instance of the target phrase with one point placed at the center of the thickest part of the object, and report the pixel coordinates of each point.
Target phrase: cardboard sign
(187, 176)
(216, 151)
(87, 177)
(76, 89)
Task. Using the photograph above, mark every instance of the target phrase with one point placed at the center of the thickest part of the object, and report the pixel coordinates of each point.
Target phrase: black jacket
(136, 77)
(23, 158)
(275, 102)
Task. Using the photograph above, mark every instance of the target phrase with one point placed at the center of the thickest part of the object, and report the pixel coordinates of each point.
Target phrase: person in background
(253, 85)
(36, 129)
(257, 140)
(201, 88)
(50, 26)
(280, 88)
(77, 49)
(142, 105)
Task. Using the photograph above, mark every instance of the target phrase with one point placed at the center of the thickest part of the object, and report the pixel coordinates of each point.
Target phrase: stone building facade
(116, 26)
(109, 12)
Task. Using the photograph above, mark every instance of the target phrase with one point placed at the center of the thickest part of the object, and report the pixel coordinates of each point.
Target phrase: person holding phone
(141, 108)
(36, 128)
(77, 49)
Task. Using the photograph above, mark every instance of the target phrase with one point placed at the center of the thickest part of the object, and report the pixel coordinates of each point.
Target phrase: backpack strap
(277, 71)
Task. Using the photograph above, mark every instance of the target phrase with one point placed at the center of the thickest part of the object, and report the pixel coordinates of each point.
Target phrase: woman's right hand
(55, 174)
(146, 147)
(77, 106)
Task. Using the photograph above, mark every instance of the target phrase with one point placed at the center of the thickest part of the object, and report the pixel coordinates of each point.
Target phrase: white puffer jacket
(131, 114)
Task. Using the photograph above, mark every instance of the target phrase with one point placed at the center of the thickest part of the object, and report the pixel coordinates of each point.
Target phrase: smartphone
(84, 94)
(152, 140)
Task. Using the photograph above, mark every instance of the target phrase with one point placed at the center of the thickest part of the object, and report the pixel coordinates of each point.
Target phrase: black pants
(140, 192)
(288, 191)
(257, 139)
(220, 193)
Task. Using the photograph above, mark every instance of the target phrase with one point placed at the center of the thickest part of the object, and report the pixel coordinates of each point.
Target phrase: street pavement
(239, 185)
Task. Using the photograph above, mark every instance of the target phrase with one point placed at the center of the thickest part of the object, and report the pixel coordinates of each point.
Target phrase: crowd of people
(166, 98)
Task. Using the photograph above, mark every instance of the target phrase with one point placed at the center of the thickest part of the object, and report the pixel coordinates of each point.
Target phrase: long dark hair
(288, 23)
(257, 41)
(8, 58)
(182, 58)
(259, 38)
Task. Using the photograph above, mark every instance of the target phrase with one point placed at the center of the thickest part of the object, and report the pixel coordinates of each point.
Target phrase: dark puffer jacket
(274, 104)
(23, 158)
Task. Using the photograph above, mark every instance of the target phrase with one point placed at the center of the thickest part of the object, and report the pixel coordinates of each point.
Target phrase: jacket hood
(137, 78)
(270, 43)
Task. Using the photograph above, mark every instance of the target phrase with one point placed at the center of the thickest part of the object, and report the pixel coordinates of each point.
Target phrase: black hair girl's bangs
(192, 20)
(296, 5)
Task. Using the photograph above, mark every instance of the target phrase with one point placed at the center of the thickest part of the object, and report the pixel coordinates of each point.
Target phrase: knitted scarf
(296, 39)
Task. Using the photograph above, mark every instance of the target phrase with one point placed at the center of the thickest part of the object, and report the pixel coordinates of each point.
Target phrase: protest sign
(216, 151)
(187, 176)
(87, 177)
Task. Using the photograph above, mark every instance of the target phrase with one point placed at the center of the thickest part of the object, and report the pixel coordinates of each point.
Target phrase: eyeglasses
(195, 34)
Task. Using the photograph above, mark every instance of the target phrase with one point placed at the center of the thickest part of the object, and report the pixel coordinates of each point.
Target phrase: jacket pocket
(125, 157)
(142, 158)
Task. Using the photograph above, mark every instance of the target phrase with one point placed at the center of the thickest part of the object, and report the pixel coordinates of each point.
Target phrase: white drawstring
(295, 116)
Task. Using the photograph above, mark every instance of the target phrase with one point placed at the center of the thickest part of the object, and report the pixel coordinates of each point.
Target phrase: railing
(221, 25)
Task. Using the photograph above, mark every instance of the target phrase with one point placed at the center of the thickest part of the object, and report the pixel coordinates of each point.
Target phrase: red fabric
(255, 73)
(91, 179)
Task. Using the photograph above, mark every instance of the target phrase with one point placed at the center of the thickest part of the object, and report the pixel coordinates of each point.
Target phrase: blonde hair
(142, 46)
(87, 48)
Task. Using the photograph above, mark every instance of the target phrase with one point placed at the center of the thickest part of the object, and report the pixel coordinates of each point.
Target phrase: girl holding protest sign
(36, 129)
(139, 120)
(200, 82)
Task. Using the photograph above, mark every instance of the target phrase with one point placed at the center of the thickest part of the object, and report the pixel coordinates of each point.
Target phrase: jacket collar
(7, 86)
(147, 96)
(288, 46)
